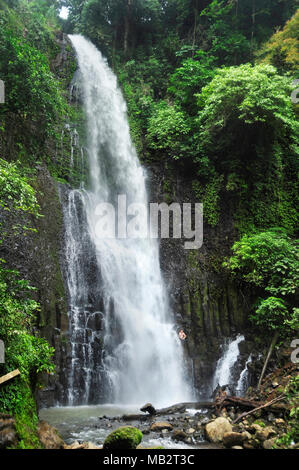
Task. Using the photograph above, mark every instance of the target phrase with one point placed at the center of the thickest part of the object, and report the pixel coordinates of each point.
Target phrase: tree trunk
(194, 27)
(253, 25)
(271, 347)
(127, 26)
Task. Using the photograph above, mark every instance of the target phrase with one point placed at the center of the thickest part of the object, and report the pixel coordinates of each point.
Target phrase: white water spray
(242, 384)
(226, 363)
(144, 357)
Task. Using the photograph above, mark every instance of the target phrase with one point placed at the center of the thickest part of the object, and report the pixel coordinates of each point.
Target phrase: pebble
(190, 431)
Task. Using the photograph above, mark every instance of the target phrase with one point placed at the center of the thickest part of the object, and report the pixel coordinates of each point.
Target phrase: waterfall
(143, 358)
(242, 384)
(224, 367)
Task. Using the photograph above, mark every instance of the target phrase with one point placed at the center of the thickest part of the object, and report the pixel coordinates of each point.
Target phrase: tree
(188, 79)
(269, 260)
(272, 314)
(226, 41)
(247, 127)
(168, 129)
(282, 49)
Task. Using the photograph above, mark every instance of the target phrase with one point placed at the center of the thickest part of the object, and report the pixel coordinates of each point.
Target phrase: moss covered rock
(124, 437)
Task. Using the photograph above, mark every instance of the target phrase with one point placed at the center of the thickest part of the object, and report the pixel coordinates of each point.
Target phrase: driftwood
(249, 406)
(264, 405)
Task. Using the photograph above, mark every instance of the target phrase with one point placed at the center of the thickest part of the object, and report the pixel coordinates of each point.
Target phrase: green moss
(26, 426)
(18, 400)
(260, 423)
(124, 437)
(209, 195)
(169, 192)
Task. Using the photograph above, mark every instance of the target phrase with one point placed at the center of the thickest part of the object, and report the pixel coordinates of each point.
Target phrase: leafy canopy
(267, 259)
(272, 314)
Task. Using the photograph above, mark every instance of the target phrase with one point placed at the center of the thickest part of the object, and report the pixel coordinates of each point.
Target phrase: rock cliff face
(206, 302)
(37, 258)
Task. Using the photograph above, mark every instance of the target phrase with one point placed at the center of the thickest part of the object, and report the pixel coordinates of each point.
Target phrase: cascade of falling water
(226, 363)
(242, 384)
(143, 354)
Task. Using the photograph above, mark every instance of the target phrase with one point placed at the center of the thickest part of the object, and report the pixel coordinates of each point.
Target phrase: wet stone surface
(180, 431)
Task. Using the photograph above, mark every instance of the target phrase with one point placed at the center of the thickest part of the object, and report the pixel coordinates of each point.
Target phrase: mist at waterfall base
(143, 357)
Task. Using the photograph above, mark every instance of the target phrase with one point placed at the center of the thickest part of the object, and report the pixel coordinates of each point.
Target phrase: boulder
(179, 435)
(90, 445)
(8, 436)
(73, 445)
(216, 429)
(255, 428)
(231, 439)
(279, 422)
(246, 435)
(268, 444)
(124, 437)
(49, 436)
(248, 445)
(159, 425)
(148, 408)
(132, 417)
(190, 431)
(85, 445)
(265, 433)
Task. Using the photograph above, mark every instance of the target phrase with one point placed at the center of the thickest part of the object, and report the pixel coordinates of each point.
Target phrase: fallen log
(238, 402)
(264, 405)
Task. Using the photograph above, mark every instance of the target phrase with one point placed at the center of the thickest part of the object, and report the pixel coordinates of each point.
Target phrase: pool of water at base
(82, 423)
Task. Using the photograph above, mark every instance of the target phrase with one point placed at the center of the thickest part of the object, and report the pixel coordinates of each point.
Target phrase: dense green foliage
(292, 394)
(270, 261)
(248, 104)
(16, 194)
(35, 108)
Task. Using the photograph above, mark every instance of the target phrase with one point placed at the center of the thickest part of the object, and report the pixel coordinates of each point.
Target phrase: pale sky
(64, 13)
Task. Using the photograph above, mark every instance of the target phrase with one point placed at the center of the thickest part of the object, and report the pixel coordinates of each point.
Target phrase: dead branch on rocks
(264, 405)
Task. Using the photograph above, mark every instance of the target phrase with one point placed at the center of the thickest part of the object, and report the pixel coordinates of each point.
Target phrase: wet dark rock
(160, 425)
(178, 408)
(231, 439)
(179, 435)
(148, 408)
(215, 308)
(132, 417)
